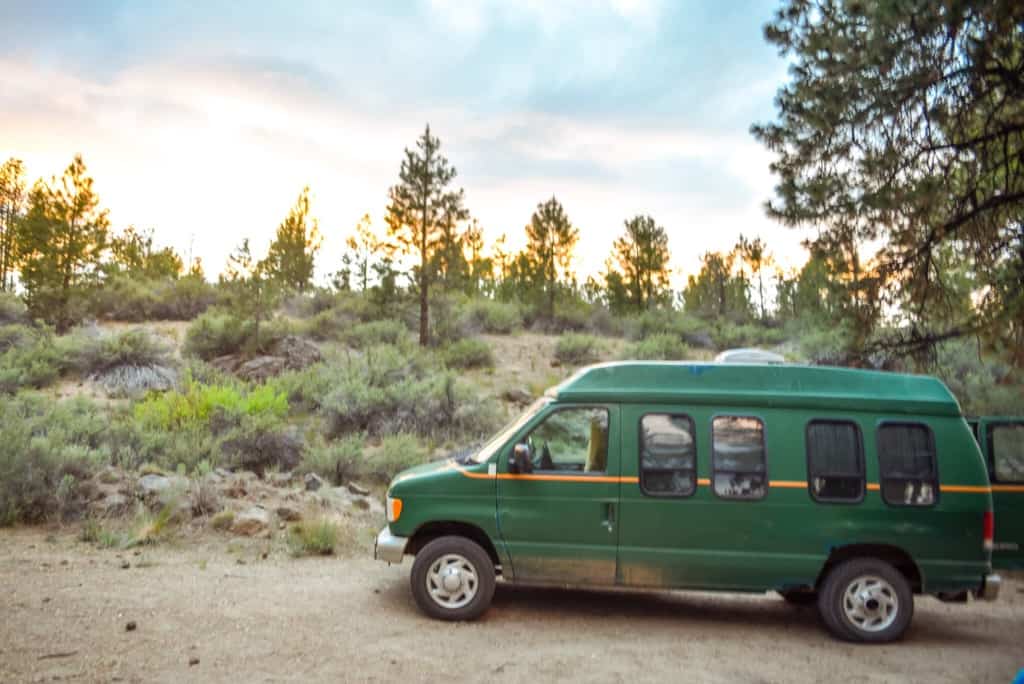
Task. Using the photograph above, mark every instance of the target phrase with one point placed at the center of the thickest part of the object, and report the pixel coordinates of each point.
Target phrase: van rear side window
(906, 464)
(1007, 449)
(668, 455)
(835, 461)
(738, 469)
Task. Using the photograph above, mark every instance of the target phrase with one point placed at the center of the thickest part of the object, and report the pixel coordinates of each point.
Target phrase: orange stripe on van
(873, 487)
(787, 484)
(1018, 489)
(968, 489)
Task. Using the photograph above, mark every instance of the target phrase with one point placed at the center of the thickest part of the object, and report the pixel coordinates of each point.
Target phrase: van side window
(835, 461)
(906, 463)
(573, 439)
(738, 457)
(1007, 447)
(668, 455)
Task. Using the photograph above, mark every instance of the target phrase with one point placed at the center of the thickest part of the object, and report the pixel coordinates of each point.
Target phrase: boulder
(152, 485)
(114, 503)
(288, 513)
(517, 395)
(262, 368)
(251, 522)
(279, 479)
(357, 488)
(313, 482)
(701, 340)
(296, 351)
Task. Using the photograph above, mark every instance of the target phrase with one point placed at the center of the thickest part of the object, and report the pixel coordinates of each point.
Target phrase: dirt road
(65, 605)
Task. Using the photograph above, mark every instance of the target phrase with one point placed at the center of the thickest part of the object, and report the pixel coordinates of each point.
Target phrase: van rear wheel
(453, 579)
(866, 600)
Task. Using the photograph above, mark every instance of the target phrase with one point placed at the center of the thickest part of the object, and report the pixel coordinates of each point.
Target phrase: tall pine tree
(60, 244)
(642, 256)
(12, 210)
(551, 239)
(291, 257)
(420, 207)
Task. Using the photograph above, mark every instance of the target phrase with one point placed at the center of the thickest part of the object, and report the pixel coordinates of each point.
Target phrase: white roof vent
(749, 356)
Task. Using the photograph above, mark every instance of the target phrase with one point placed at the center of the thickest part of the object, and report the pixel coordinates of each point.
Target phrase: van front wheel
(453, 579)
(867, 600)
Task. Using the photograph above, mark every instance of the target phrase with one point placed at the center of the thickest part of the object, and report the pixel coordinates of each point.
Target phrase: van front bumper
(989, 590)
(388, 547)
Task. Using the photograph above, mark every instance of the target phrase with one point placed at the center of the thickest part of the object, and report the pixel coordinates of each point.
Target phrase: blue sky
(204, 120)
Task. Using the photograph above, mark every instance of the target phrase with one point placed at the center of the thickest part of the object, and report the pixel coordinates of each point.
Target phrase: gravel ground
(238, 617)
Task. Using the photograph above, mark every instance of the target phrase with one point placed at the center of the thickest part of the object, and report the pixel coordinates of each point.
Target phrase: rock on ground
(251, 522)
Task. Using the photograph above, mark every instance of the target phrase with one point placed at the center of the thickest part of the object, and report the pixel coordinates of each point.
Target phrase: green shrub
(660, 347)
(222, 520)
(338, 461)
(198, 404)
(492, 316)
(313, 538)
(375, 333)
(97, 353)
(49, 449)
(397, 452)
(216, 334)
(36, 363)
(12, 309)
(134, 298)
(573, 349)
(469, 353)
(16, 335)
(664, 320)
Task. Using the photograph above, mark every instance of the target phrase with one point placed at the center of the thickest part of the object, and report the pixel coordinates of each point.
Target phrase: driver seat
(597, 452)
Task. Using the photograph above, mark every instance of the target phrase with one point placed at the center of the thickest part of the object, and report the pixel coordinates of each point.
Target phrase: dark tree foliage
(903, 122)
(13, 197)
(551, 239)
(642, 257)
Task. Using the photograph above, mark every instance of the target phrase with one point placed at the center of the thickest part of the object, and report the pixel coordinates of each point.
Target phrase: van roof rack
(749, 355)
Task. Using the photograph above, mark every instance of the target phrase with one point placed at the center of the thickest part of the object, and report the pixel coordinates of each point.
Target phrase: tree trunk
(424, 302)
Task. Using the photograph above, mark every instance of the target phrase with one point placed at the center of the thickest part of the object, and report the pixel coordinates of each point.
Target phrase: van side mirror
(519, 461)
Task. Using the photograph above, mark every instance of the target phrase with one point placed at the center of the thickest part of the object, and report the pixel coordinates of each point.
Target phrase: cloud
(209, 124)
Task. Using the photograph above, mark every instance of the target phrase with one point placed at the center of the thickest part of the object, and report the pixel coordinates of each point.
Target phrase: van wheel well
(893, 555)
(431, 531)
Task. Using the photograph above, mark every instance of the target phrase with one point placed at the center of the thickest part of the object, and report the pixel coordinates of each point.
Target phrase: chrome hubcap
(870, 603)
(452, 581)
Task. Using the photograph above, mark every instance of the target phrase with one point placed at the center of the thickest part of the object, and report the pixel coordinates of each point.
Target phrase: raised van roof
(763, 385)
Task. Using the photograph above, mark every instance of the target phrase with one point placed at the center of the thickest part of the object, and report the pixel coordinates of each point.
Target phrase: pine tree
(551, 239)
(292, 253)
(60, 244)
(755, 255)
(642, 256)
(903, 124)
(420, 206)
(133, 253)
(12, 210)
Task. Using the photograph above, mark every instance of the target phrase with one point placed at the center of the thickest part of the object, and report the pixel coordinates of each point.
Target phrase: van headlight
(394, 508)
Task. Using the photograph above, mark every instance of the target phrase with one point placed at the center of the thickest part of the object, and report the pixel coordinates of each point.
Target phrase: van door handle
(609, 516)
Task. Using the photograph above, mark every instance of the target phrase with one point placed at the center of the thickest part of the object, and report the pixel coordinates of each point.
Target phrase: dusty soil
(65, 606)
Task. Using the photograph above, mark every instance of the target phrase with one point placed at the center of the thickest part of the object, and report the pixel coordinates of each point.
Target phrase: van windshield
(505, 434)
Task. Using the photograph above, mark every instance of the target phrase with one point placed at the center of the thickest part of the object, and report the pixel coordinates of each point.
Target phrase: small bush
(574, 349)
(492, 316)
(91, 353)
(135, 298)
(49, 447)
(338, 461)
(12, 309)
(469, 353)
(259, 443)
(222, 520)
(216, 334)
(365, 335)
(397, 452)
(197, 404)
(35, 363)
(313, 538)
(660, 347)
(16, 335)
(204, 499)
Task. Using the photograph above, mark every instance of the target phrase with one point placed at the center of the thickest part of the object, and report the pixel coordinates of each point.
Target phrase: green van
(851, 489)
(1002, 442)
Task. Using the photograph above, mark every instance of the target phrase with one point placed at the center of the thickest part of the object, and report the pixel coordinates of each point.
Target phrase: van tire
(473, 586)
(861, 616)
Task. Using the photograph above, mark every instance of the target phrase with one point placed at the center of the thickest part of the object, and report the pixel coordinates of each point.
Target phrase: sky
(203, 121)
